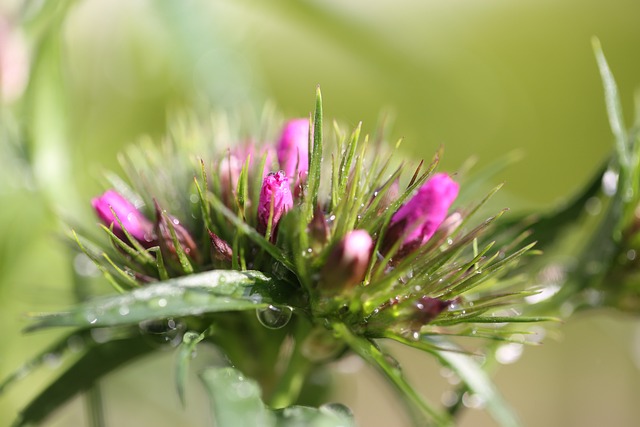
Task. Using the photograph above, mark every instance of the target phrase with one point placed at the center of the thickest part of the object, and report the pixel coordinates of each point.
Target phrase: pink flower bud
(293, 148)
(418, 219)
(111, 205)
(275, 195)
(347, 264)
(221, 252)
(164, 224)
(427, 309)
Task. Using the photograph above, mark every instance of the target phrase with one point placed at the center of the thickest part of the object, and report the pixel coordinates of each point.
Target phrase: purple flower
(275, 196)
(111, 205)
(347, 264)
(293, 147)
(418, 219)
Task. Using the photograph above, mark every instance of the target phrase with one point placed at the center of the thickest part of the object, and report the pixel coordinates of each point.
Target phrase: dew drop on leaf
(273, 317)
(472, 401)
(167, 331)
(338, 409)
(52, 360)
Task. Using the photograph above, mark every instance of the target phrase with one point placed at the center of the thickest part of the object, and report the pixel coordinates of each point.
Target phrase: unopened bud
(293, 148)
(418, 219)
(220, 249)
(164, 225)
(275, 201)
(347, 264)
(117, 212)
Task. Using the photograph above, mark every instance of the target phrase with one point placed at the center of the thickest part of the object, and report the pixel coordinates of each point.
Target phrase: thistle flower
(418, 219)
(347, 263)
(275, 201)
(329, 277)
(113, 209)
(293, 148)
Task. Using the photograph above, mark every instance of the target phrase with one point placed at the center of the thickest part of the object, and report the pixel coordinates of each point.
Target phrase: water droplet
(509, 353)
(543, 294)
(593, 297)
(273, 317)
(52, 360)
(194, 198)
(454, 306)
(593, 206)
(338, 409)
(244, 389)
(84, 266)
(91, 317)
(631, 254)
(163, 331)
(610, 182)
(449, 398)
(472, 401)
(123, 310)
(101, 335)
(75, 343)
(449, 241)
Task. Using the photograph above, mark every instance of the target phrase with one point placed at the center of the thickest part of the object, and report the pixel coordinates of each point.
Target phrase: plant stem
(290, 385)
(416, 403)
(95, 409)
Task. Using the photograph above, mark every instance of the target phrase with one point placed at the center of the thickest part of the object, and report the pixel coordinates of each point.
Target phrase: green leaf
(236, 402)
(185, 353)
(614, 107)
(315, 160)
(479, 383)
(235, 399)
(94, 364)
(471, 373)
(213, 291)
(325, 416)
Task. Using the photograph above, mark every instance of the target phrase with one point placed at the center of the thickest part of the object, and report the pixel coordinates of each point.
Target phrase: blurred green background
(480, 77)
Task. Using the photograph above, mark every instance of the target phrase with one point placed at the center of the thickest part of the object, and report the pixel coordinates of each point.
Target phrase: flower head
(293, 147)
(114, 210)
(275, 199)
(418, 219)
